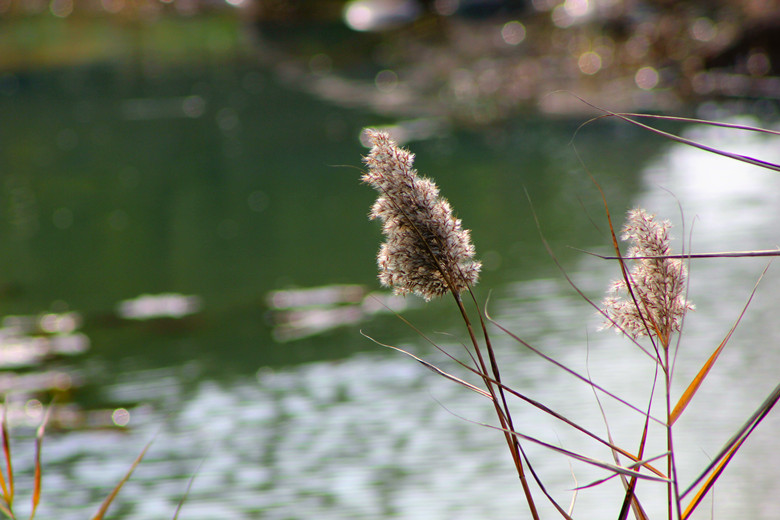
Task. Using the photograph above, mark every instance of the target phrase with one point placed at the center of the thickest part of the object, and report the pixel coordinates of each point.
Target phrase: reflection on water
(168, 305)
(27, 340)
(299, 313)
(239, 207)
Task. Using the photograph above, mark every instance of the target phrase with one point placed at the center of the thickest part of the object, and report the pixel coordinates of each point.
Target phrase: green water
(224, 182)
(111, 189)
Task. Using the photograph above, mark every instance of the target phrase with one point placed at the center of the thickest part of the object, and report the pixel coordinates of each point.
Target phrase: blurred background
(185, 254)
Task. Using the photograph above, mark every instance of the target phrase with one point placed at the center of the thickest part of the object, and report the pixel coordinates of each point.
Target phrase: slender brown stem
(669, 456)
(502, 413)
(673, 491)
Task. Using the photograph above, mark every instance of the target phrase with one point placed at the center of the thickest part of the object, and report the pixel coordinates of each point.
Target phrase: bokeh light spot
(513, 33)
(113, 6)
(227, 119)
(61, 8)
(758, 64)
(359, 17)
(589, 62)
(193, 106)
(53, 323)
(646, 78)
(576, 8)
(33, 408)
(120, 417)
(445, 7)
(703, 29)
(561, 18)
(386, 80)
(379, 15)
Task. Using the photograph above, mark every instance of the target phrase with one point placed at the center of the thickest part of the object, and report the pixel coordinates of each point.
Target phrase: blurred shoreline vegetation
(443, 59)
(43, 40)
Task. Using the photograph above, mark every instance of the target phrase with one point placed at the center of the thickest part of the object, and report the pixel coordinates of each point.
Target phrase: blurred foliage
(44, 40)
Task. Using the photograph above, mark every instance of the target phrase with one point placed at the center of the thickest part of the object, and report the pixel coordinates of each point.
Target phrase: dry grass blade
(721, 254)
(636, 506)
(628, 471)
(433, 368)
(622, 470)
(187, 491)
(501, 407)
(430, 342)
(641, 463)
(607, 443)
(629, 501)
(570, 371)
(695, 144)
(716, 467)
(110, 498)
(7, 485)
(565, 514)
(477, 358)
(704, 122)
(517, 394)
(718, 470)
(504, 387)
(36, 497)
(699, 379)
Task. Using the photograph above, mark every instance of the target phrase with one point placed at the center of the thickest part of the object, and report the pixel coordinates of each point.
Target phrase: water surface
(223, 184)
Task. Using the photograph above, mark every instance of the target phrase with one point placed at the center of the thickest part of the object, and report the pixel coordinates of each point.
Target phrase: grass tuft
(654, 280)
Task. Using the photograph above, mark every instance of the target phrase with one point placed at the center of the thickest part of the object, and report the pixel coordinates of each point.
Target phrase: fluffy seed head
(658, 284)
(426, 250)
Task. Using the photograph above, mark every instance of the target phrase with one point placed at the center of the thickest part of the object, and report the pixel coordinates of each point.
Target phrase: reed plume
(657, 284)
(426, 250)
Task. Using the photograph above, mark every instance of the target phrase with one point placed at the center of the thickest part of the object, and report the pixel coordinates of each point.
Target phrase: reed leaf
(433, 368)
(110, 498)
(589, 460)
(636, 506)
(517, 394)
(713, 471)
(36, 496)
(565, 514)
(187, 491)
(710, 481)
(7, 485)
(721, 254)
(686, 397)
(572, 372)
(679, 119)
(627, 117)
